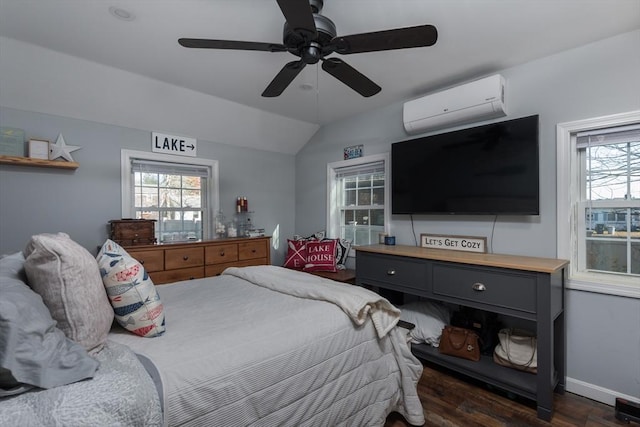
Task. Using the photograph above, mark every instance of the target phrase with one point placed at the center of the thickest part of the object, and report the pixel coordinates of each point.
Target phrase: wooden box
(131, 232)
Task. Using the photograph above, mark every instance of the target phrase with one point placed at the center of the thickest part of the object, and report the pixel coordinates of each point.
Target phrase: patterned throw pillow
(296, 254)
(342, 251)
(321, 255)
(133, 295)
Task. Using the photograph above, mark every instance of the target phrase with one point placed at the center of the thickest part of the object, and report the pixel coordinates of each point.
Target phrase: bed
(266, 345)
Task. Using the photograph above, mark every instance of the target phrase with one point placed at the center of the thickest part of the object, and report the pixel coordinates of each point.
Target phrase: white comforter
(239, 354)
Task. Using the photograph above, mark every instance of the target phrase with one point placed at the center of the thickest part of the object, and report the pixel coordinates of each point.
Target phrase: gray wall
(595, 80)
(81, 202)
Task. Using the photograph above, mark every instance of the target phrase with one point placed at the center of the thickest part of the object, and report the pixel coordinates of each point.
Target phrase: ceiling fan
(312, 37)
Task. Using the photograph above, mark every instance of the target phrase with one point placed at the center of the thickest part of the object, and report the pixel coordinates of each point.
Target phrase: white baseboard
(597, 393)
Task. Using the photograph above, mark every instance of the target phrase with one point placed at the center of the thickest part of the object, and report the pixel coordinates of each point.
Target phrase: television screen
(486, 170)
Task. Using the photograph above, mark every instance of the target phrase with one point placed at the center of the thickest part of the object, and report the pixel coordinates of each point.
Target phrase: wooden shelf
(27, 161)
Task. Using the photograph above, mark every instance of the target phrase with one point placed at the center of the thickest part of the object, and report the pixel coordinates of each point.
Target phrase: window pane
(149, 178)
(362, 236)
(349, 217)
(172, 181)
(191, 198)
(364, 197)
(349, 183)
(349, 197)
(149, 197)
(607, 255)
(612, 238)
(362, 217)
(378, 196)
(364, 181)
(613, 171)
(169, 198)
(377, 217)
(191, 182)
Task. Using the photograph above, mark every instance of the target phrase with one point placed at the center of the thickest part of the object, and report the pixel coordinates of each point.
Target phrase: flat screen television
(485, 170)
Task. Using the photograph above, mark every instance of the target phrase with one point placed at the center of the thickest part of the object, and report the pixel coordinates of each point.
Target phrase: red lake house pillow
(321, 255)
(296, 254)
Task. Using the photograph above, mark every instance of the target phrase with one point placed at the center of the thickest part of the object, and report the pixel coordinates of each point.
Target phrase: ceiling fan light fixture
(121, 14)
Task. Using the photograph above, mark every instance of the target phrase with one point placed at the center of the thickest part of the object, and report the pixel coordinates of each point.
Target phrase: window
(179, 195)
(358, 198)
(599, 196)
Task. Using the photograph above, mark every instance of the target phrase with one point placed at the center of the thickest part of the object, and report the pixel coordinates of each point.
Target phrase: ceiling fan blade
(299, 17)
(231, 44)
(350, 76)
(399, 38)
(283, 79)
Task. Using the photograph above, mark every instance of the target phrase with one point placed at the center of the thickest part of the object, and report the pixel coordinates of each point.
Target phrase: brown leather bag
(460, 342)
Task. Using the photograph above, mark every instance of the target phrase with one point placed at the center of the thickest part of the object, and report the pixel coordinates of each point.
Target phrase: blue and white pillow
(133, 296)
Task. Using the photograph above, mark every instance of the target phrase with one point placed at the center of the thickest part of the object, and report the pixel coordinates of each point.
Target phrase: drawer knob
(185, 257)
(479, 287)
(391, 272)
(142, 262)
(221, 253)
(253, 251)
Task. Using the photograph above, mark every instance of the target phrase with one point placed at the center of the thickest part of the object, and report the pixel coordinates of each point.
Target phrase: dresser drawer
(487, 286)
(394, 272)
(252, 250)
(169, 276)
(217, 269)
(183, 257)
(220, 254)
(152, 260)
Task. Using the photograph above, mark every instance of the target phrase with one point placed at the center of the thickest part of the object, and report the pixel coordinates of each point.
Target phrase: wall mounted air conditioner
(471, 102)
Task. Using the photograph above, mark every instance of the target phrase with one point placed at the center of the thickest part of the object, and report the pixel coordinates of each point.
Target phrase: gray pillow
(67, 278)
(33, 352)
(429, 317)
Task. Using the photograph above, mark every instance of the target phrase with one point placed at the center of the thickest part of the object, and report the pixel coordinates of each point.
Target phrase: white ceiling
(476, 37)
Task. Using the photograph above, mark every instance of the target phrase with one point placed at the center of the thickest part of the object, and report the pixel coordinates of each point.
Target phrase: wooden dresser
(172, 262)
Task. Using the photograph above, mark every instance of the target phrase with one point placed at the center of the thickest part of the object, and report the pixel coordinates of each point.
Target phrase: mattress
(237, 352)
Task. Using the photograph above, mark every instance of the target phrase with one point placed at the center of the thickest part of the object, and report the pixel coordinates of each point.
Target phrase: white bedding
(239, 354)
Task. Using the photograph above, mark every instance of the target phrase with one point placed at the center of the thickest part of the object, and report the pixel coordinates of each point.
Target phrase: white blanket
(358, 303)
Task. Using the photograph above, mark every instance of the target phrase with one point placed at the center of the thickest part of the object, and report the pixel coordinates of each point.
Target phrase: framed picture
(39, 149)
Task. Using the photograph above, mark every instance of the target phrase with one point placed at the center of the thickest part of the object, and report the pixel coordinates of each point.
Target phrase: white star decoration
(61, 149)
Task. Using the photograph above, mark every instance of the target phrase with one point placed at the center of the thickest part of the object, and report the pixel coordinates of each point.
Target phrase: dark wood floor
(450, 400)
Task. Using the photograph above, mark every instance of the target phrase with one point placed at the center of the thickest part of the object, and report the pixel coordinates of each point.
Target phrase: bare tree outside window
(611, 205)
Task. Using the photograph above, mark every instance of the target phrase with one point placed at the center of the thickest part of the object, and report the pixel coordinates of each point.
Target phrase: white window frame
(213, 195)
(333, 216)
(567, 193)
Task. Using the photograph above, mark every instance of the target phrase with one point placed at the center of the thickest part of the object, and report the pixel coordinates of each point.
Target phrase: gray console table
(521, 287)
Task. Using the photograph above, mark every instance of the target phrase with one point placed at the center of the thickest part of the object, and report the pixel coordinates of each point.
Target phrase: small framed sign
(173, 144)
(454, 243)
(353, 152)
(39, 149)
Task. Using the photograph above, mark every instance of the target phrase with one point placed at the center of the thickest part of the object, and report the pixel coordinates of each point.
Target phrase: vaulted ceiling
(475, 38)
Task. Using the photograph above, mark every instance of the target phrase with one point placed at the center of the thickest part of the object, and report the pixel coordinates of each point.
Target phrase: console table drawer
(220, 254)
(401, 272)
(183, 257)
(504, 289)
